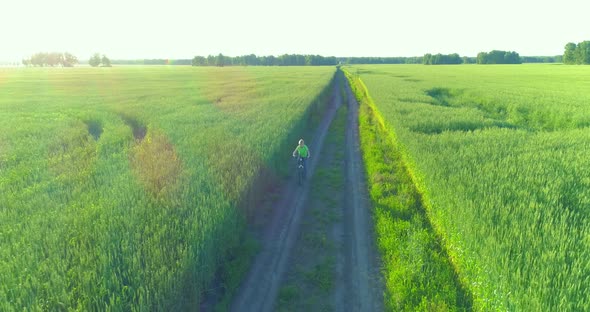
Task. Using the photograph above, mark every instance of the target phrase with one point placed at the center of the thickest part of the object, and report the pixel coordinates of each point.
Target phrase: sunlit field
(124, 188)
(500, 156)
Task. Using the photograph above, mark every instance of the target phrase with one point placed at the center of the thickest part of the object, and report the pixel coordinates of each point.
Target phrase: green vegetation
(498, 57)
(439, 59)
(417, 271)
(51, 59)
(126, 188)
(499, 155)
(577, 53)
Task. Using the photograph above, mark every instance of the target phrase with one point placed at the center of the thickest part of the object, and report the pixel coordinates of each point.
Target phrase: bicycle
(300, 170)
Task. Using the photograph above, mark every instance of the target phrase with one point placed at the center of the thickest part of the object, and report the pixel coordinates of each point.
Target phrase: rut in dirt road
(365, 290)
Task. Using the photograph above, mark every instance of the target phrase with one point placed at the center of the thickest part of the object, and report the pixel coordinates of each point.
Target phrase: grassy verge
(417, 270)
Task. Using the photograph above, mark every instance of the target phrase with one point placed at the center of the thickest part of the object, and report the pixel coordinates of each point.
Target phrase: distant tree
(220, 60)
(105, 62)
(94, 61)
(439, 59)
(541, 59)
(270, 60)
(511, 58)
(251, 60)
(39, 59)
(51, 59)
(583, 53)
(498, 57)
(481, 57)
(330, 61)
(211, 60)
(469, 60)
(569, 55)
(558, 59)
(199, 61)
(69, 60)
(577, 53)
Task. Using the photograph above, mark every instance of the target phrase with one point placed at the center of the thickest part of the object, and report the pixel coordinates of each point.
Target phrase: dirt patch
(460, 126)
(94, 128)
(441, 96)
(156, 164)
(138, 128)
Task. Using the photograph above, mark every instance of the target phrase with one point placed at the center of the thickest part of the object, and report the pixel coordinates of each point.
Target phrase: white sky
(133, 29)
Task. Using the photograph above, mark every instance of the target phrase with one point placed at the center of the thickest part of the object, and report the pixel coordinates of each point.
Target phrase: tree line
(64, 59)
(574, 54)
(492, 57)
(542, 59)
(577, 53)
(498, 57)
(52, 59)
(254, 60)
(153, 62)
(436, 59)
(382, 60)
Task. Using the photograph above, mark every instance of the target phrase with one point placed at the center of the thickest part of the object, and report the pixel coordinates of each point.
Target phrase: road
(357, 284)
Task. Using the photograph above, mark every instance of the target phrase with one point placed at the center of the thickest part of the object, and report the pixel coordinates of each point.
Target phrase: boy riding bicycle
(302, 152)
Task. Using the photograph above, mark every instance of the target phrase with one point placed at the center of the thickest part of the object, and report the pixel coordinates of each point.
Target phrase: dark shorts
(304, 159)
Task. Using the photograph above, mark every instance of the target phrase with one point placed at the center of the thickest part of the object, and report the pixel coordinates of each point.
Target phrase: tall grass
(126, 188)
(499, 157)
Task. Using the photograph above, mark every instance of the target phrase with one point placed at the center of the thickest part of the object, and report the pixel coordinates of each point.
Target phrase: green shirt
(303, 151)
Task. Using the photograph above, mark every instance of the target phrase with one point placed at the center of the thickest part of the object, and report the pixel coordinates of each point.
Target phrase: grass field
(126, 188)
(499, 156)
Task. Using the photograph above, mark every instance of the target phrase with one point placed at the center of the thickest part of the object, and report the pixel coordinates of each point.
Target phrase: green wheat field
(121, 188)
(500, 156)
(130, 188)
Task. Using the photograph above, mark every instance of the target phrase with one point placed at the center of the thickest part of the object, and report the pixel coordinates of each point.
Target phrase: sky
(181, 29)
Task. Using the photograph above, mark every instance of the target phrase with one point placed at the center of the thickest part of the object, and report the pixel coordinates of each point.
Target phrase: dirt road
(356, 283)
(365, 287)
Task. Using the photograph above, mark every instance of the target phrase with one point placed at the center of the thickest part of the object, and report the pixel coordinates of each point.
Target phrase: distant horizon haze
(182, 29)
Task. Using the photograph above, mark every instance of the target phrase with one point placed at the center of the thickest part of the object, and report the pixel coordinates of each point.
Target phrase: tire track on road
(365, 290)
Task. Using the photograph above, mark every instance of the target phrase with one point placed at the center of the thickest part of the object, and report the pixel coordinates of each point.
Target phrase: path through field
(321, 234)
(365, 291)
